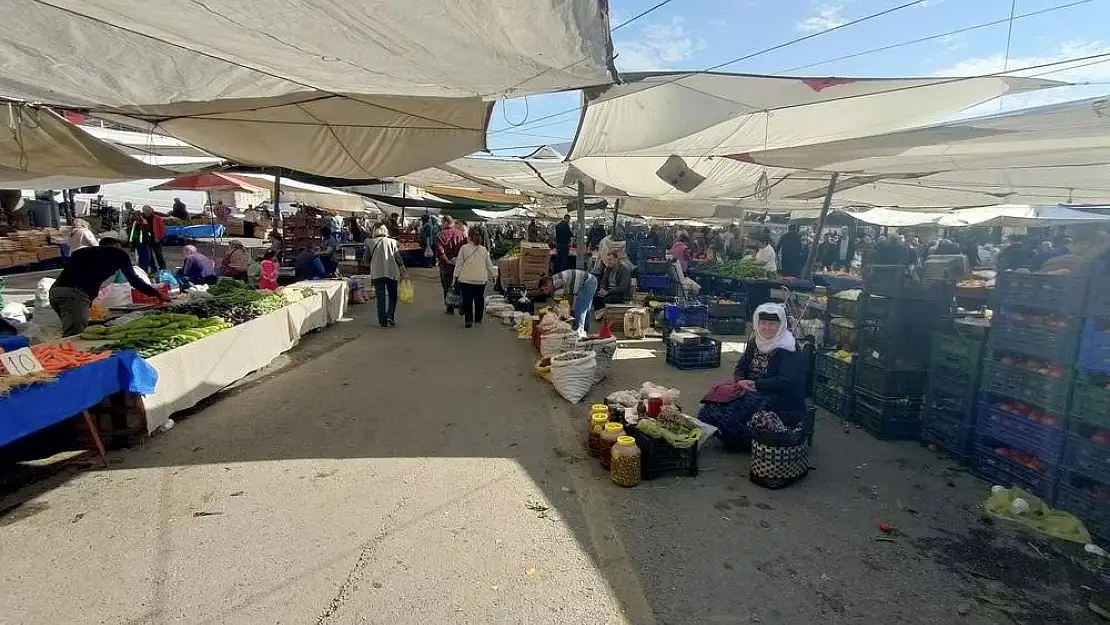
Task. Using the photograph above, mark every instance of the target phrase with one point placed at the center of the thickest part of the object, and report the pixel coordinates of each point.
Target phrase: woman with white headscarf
(768, 383)
(81, 236)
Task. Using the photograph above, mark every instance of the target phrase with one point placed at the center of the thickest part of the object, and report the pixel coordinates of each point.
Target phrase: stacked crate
(1084, 488)
(842, 313)
(535, 264)
(1027, 379)
(948, 414)
(727, 317)
(832, 383)
(897, 317)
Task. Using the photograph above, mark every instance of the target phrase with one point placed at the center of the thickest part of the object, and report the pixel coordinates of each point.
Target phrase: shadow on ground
(440, 421)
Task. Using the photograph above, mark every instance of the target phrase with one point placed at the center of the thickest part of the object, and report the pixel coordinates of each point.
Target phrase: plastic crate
(955, 357)
(1057, 345)
(952, 402)
(887, 418)
(653, 266)
(997, 469)
(840, 307)
(895, 281)
(1098, 299)
(685, 314)
(658, 458)
(881, 310)
(1089, 500)
(1031, 387)
(833, 399)
(1094, 350)
(1090, 398)
(831, 368)
(1062, 294)
(653, 281)
(843, 334)
(1028, 435)
(889, 383)
(953, 436)
(728, 327)
(907, 350)
(1085, 456)
(706, 354)
(728, 309)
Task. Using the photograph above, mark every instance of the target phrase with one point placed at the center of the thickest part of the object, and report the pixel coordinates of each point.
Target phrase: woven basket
(604, 349)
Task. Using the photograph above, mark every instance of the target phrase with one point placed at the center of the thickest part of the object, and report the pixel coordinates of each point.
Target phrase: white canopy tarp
(326, 198)
(40, 150)
(531, 176)
(665, 135)
(1012, 215)
(144, 143)
(362, 88)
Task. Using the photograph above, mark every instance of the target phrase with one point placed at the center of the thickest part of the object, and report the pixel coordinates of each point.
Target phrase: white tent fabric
(362, 88)
(144, 143)
(40, 150)
(322, 197)
(1012, 215)
(531, 176)
(664, 135)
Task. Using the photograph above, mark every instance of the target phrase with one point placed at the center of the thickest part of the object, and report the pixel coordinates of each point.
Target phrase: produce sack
(543, 368)
(558, 341)
(572, 374)
(604, 349)
(405, 293)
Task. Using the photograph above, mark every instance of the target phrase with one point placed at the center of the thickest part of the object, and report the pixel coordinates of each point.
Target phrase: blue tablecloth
(203, 231)
(12, 343)
(29, 410)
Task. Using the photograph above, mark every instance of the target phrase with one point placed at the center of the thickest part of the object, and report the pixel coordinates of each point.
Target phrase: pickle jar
(593, 435)
(609, 437)
(625, 462)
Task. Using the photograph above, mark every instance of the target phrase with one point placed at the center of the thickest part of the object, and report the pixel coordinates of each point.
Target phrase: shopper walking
(448, 243)
(386, 271)
(473, 270)
(563, 235)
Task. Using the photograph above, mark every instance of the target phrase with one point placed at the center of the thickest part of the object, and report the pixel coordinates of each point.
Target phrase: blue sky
(696, 34)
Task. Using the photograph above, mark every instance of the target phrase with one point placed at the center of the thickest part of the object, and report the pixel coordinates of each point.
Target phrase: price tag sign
(20, 362)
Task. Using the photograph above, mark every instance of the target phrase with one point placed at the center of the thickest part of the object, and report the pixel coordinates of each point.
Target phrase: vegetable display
(58, 358)
(157, 333)
(739, 269)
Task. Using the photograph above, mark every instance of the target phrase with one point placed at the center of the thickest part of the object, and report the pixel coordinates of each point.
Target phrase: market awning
(543, 176)
(470, 197)
(208, 181)
(1013, 215)
(666, 135)
(41, 150)
(356, 89)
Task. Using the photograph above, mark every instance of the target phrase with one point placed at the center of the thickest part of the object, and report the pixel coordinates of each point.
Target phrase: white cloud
(1088, 71)
(661, 45)
(827, 16)
(930, 3)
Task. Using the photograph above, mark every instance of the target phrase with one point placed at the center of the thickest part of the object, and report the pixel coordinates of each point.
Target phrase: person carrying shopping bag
(473, 270)
(387, 269)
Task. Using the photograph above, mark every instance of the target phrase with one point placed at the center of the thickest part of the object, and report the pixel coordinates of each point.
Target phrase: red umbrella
(207, 181)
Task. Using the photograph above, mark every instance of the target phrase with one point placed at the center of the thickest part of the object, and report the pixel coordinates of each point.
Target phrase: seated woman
(197, 269)
(236, 261)
(768, 386)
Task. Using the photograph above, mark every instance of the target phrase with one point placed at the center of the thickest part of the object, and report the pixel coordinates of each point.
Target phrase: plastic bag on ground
(1039, 517)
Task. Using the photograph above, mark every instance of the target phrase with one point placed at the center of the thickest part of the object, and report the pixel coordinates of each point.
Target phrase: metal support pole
(616, 213)
(812, 257)
(276, 201)
(581, 240)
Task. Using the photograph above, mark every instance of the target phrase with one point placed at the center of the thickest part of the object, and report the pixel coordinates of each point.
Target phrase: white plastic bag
(114, 296)
(572, 374)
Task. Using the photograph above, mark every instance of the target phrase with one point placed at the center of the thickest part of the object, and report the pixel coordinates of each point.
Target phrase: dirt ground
(422, 474)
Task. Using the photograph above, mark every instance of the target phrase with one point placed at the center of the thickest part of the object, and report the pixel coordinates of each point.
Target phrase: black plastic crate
(843, 334)
(881, 310)
(705, 354)
(1020, 431)
(1031, 387)
(727, 308)
(885, 382)
(905, 349)
(1052, 293)
(831, 368)
(728, 327)
(1089, 500)
(952, 436)
(955, 357)
(841, 307)
(1055, 344)
(1009, 471)
(895, 281)
(1087, 450)
(833, 400)
(887, 418)
(657, 457)
(950, 401)
(1090, 398)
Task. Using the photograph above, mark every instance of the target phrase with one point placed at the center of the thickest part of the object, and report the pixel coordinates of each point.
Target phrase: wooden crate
(121, 419)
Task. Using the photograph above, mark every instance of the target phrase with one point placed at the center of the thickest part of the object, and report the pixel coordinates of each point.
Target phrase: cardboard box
(509, 270)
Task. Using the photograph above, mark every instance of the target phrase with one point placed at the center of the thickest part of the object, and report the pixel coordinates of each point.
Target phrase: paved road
(423, 475)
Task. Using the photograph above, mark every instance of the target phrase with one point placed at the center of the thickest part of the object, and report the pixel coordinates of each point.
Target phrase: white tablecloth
(335, 294)
(307, 315)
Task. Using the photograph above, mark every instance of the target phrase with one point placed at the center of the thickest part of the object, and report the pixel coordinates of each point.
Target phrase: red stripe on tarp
(819, 84)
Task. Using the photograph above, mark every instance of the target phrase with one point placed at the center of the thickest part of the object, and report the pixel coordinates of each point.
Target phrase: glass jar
(625, 462)
(593, 434)
(609, 437)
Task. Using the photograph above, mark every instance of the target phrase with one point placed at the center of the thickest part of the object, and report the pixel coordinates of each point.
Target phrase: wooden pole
(812, 257)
